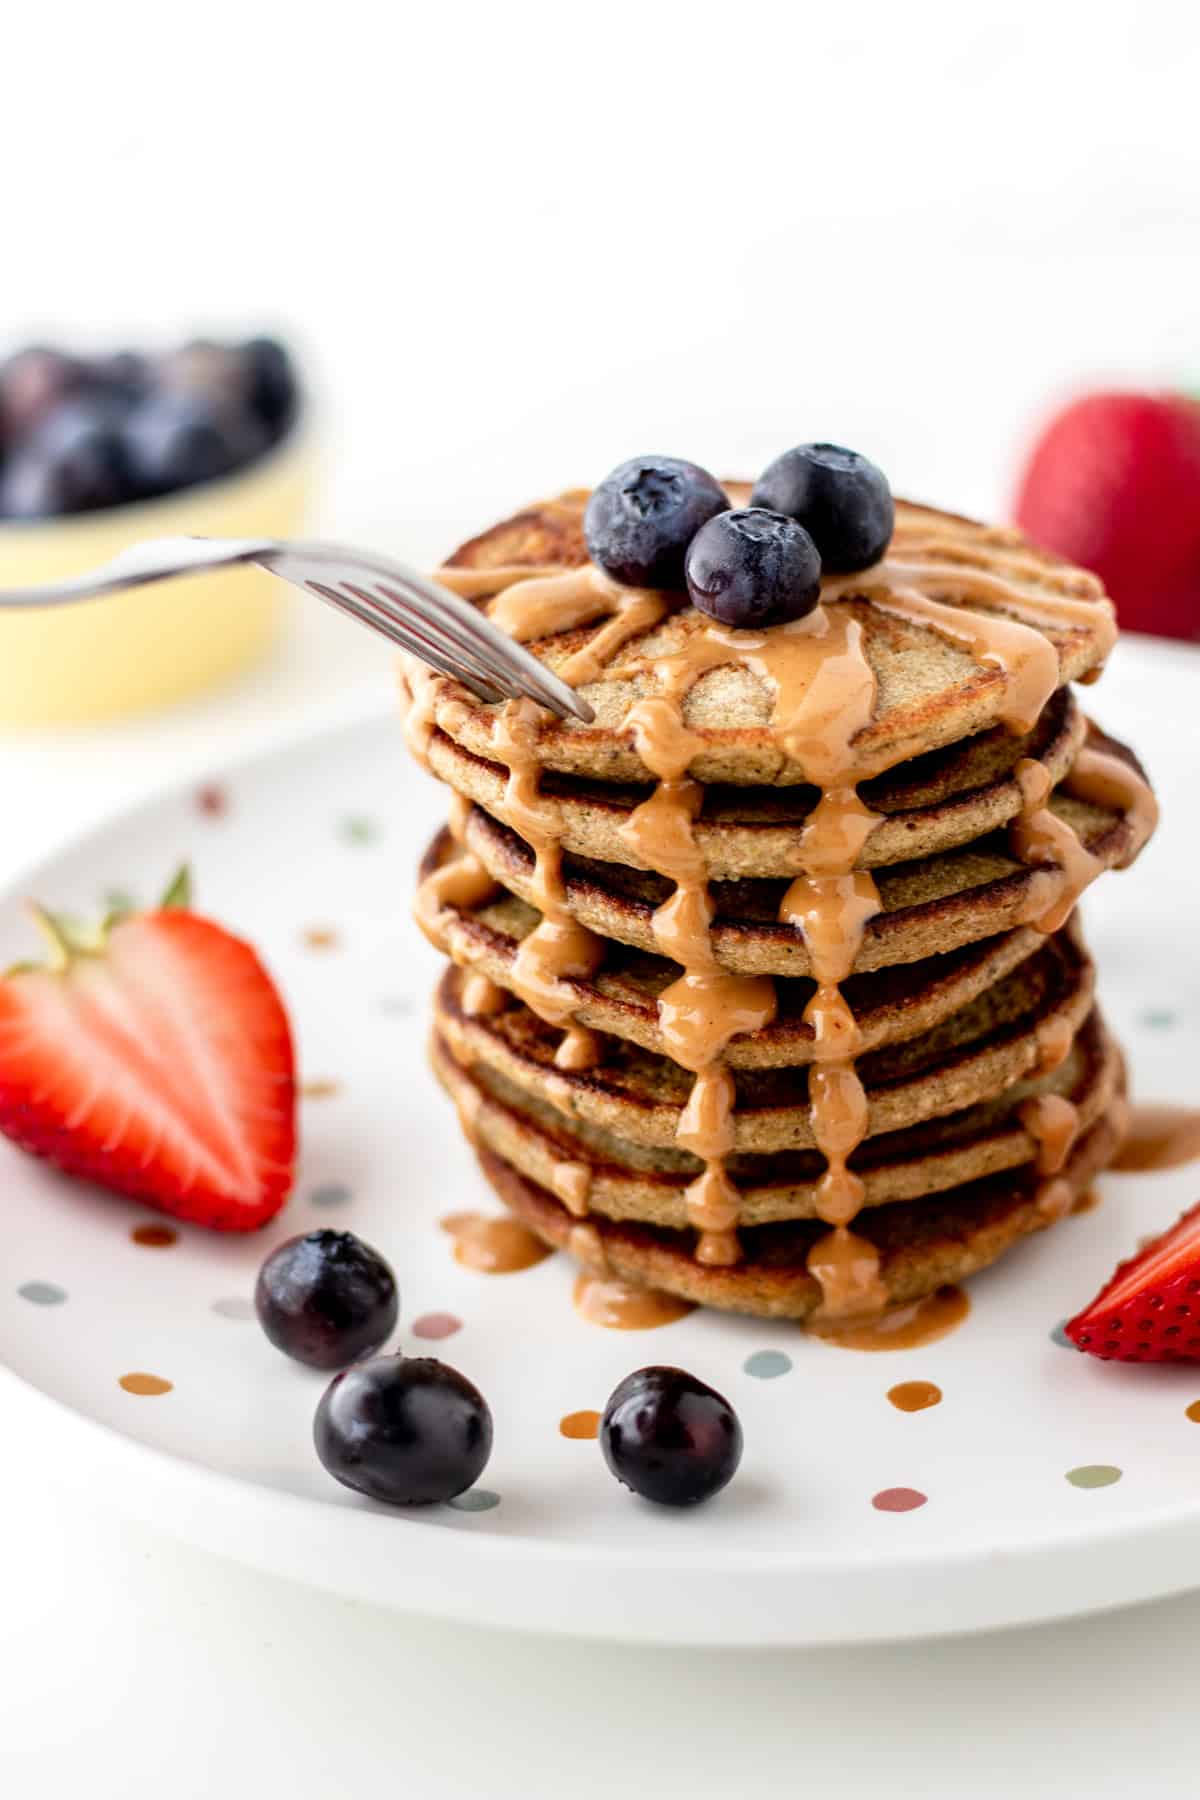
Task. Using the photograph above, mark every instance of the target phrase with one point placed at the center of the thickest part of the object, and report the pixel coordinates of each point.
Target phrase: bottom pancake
(923, 1244)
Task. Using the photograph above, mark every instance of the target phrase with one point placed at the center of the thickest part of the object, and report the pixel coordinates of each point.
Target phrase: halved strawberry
(1150, 1310)
(154, 1057)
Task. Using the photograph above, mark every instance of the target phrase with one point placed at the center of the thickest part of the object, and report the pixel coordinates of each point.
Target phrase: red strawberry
(1114, 483)
(154, 1057)
(1150, 1310)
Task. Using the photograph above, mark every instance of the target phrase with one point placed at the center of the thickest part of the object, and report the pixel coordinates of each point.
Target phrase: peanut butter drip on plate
(1159, 1137)
(621, 1306)
(986, 594)
(493, 1246)
(901, 1327)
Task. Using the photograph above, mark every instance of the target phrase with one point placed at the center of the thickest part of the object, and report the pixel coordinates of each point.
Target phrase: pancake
(932, 688)
(756, 831)
(977, 1051)
(922, 1246)
(928, 907)
(628, 1181)
(621, 998)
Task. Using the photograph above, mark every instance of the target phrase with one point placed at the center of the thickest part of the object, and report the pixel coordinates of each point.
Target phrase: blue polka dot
(42, 1293)
(234, 1306)
(767, 1364)
(475, 1500)
(1059, 1335)
(331, 1193)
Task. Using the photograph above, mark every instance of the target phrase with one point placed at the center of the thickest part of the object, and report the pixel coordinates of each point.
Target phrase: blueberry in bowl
(97, 452)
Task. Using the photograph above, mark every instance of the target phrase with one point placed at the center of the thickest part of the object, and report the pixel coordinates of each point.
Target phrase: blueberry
(670, 1437)
(212, 372)
(123, 379)
(407, 1430)
(74, 462)
(326, 1299)
(177, 439)
(270, 383)
(753, 568)
(32, 384)
(842, 500)
(641, 519)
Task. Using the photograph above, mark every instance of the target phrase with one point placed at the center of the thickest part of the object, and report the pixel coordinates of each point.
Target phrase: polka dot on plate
(356, 829)
(212, 800)
(319, 937)
(914, 1396)
(1059, 1335)
(580, 1425)
(396, 1006)
(138, 1382)
(154, 1237)
(1093, 1475)
(233, 1306)
(42, 1293)
(322, 1088)
(1159, 1018)
(1193, 1411)
(330, 1193)
(475, 1500)
(436, 1325)
(898, 1500)
(765, 1365)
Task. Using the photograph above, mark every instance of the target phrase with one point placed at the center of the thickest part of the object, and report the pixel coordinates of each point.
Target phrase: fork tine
(498, 649)
(463, 655)
(403, 638)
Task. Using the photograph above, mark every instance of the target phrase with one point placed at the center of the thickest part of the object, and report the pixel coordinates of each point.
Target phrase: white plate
(325, 834)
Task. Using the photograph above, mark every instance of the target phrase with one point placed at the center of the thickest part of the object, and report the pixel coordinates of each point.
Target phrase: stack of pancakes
(767, 989)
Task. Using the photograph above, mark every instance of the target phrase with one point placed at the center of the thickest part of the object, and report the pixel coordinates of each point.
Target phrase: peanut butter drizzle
(493, 1246)
(1106, 780)
(1054, 1037)
(1063, 865)
(462, 883)
(824, 699)
(1159, 1137)
(1052, 1121)
(701, 1012)
(482, 998)
(571, 1183)
(580, 1049)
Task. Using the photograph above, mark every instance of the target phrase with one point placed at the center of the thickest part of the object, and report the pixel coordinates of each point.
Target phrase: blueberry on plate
(753, 568)
(326, 1298)
(408, 1430)
(842, 500)
(670, 1437)
(641, 519)
(177, 439)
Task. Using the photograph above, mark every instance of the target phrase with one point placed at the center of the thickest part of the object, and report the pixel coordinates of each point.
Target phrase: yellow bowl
(145, 648)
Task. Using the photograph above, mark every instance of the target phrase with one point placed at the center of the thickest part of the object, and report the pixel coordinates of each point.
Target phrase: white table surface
(132, 1666)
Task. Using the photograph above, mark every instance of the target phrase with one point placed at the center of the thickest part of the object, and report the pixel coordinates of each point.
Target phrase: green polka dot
(358, 830)
(767, 1364)
(42, 1293)
(1159, 1018)
(330, 1193)
(1093, 1475)
(475, 1500)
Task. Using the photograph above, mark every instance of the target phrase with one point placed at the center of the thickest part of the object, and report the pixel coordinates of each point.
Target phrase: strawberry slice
(1150, 1310)
(154, 1057)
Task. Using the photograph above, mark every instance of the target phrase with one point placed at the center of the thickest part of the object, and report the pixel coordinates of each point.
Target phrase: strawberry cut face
(1150, 1310)
(160, 1066)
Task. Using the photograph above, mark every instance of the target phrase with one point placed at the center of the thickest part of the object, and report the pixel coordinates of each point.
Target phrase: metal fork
(388, 597)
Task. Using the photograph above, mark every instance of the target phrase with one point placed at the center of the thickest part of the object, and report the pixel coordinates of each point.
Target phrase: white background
(520, 242)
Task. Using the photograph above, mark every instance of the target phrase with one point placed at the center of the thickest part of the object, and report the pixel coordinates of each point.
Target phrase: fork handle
(158, 559)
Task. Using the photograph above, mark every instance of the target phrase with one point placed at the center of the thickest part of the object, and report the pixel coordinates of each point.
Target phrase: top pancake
(931, 691)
